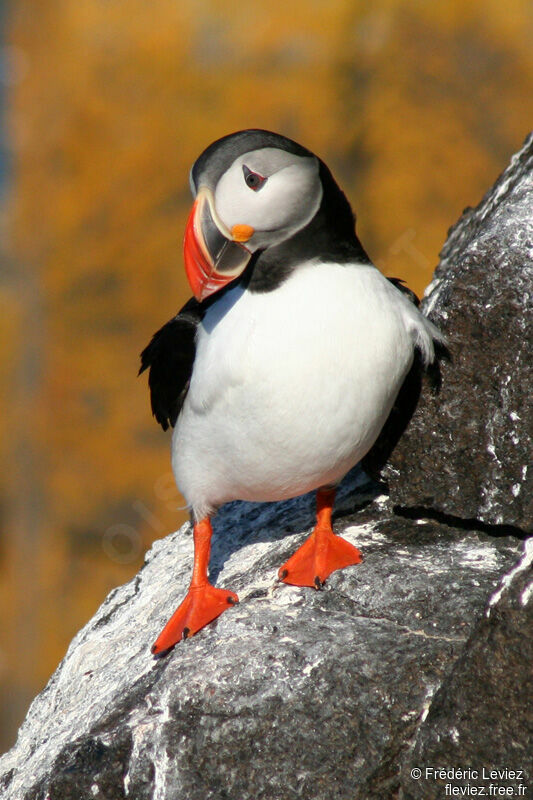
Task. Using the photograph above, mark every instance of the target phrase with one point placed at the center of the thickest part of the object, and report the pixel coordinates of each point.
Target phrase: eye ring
(254, 180)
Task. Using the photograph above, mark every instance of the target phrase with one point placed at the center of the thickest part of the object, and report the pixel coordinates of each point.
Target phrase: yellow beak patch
(241, 233)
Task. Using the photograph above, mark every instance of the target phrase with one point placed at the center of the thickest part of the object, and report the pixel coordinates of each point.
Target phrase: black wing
(397, 421)
(170, 359)
(400, 284)
(406, 402)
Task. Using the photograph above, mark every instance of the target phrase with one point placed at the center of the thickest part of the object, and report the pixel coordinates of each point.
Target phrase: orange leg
(203, 602)
(322, 552)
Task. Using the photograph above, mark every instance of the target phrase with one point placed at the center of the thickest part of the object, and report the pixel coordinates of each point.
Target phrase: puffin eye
(253, 180)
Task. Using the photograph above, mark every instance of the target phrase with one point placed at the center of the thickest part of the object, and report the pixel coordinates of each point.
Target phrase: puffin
(279, 374)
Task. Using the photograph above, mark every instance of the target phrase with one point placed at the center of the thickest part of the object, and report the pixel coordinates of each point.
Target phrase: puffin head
(256, 193)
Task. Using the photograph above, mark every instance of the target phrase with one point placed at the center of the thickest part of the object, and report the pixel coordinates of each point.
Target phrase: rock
(292, 693)
(467, 451)
(489, 690)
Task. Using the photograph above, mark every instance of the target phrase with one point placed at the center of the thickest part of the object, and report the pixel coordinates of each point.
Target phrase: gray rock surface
(468, 449)
(293, 693)
(482, 716)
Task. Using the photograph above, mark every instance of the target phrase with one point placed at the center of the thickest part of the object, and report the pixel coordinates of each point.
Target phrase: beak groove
(213, 256)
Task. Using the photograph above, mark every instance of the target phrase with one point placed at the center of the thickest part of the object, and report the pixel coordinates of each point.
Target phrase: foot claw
(282, 574)
(158, 654)
(318, 583)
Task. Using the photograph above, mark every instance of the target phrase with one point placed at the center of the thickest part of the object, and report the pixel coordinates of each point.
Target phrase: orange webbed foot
(203, 602)
(317, 558)
(322, 552)
(201, 605)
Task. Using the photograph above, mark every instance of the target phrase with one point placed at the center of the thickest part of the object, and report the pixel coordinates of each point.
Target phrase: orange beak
(214, 255)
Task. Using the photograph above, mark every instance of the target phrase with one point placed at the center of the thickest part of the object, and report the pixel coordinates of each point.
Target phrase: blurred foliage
(416, 107)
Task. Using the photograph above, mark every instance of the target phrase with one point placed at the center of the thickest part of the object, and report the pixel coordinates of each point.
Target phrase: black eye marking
(253, 180)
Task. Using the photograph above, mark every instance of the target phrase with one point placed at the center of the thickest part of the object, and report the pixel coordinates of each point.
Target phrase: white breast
(290, 388)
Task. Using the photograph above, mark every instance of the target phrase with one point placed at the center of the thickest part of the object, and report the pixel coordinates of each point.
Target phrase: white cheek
(288, 199)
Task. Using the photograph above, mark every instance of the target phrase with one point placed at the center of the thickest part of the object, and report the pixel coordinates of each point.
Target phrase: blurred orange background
(104, 106)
